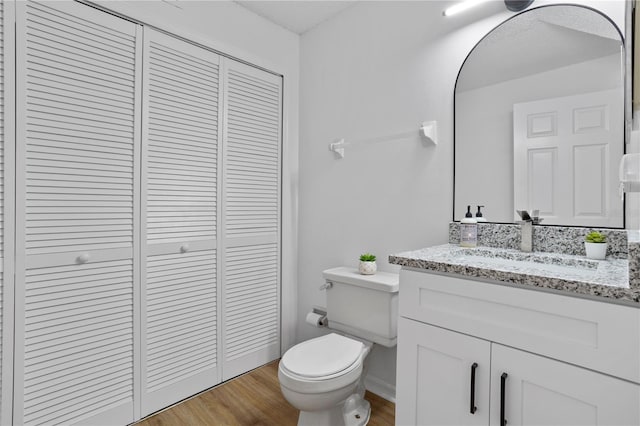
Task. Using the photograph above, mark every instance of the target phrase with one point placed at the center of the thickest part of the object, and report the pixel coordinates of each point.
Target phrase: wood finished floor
(251, 399)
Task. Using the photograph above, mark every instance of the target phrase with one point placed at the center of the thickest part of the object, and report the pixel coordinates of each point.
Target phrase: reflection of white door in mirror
(566, 154)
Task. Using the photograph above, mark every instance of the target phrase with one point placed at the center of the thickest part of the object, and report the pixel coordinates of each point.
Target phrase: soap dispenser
(468, 230)
(479, 217)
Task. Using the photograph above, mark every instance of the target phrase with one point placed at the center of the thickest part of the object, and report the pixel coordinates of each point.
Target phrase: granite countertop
(607, 279)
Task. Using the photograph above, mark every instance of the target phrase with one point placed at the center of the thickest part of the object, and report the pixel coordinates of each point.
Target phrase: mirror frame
(627, 88)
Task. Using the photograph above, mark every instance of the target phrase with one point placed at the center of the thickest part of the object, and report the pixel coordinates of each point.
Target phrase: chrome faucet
(526, 236)
(526, 231)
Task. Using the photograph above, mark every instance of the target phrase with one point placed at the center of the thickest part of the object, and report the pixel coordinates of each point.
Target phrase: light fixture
(517, 5)
(512, 5)
(462, 6)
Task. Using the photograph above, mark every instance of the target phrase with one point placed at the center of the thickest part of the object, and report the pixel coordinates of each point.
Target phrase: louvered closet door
(76, 189)
(180, 211)
(252, 141)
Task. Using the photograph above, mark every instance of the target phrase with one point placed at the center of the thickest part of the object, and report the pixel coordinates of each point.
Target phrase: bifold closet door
(180, 213)
(76, 191)
(251, 219)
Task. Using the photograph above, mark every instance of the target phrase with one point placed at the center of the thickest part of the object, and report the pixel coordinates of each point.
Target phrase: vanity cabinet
(473, 352)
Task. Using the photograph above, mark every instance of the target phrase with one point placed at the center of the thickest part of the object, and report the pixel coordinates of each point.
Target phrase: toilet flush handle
(326, 286)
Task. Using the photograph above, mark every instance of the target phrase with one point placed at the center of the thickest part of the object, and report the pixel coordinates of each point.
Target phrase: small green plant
(367, 257)
(595, 237)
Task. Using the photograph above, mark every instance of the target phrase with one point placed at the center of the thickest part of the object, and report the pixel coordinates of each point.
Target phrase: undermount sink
(490, 253)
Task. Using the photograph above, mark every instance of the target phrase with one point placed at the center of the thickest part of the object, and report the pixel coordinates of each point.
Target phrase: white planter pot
(597, 251)
(367, 268)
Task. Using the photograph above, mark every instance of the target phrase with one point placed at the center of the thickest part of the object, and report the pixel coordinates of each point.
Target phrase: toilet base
(355, 411)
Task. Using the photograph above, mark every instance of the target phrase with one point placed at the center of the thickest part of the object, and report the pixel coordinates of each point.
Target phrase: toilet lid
(322, 356)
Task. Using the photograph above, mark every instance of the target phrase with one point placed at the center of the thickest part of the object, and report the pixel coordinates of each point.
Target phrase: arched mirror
(539, 119)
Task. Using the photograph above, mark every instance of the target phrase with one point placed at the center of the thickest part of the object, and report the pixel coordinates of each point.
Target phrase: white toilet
(324, 377)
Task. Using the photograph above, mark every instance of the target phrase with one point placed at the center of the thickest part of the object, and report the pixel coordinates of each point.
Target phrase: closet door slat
(77, 208)
(180, 221)
(166, 336)
(251, 217)
(168, 168)
(50, 109)
(73, 341)
(250, 175)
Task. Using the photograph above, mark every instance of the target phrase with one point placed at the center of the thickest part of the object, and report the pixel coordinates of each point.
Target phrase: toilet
(324, 377)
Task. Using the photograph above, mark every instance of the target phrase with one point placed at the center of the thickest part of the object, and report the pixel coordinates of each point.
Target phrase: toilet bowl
(323, 378)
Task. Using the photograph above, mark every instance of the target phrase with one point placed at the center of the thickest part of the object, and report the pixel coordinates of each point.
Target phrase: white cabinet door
(544, 392)
(179, 220)
(76, 233)
(434, 377)
(251, 218)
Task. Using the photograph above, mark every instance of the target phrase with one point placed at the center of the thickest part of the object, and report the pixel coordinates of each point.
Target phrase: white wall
(233, 30)
(484, 153)
(379, 69)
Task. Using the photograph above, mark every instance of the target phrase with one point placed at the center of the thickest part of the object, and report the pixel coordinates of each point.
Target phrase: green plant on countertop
(595, 237)
(367, 257)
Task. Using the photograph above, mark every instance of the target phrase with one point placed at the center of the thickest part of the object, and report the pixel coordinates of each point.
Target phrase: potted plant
(595, 244)
(367, 264)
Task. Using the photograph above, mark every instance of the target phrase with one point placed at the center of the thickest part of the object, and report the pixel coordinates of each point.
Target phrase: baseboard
(380, 388)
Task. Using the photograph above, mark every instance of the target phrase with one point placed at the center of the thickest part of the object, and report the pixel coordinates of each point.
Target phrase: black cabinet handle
(472, 404)
(503, 385)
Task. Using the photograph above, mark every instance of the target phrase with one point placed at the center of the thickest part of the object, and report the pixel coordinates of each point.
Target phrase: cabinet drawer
(601, 336)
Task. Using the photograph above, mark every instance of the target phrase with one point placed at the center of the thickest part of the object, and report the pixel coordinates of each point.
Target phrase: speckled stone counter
(608, 279)
(634, 258)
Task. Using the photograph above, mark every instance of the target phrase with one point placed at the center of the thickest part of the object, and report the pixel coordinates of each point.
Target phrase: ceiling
(298, 16)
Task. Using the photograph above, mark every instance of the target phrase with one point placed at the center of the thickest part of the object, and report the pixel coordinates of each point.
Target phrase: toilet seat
(322, 357)
(322, 364)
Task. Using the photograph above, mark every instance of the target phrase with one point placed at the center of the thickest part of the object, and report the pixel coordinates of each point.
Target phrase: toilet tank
(364, 306)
